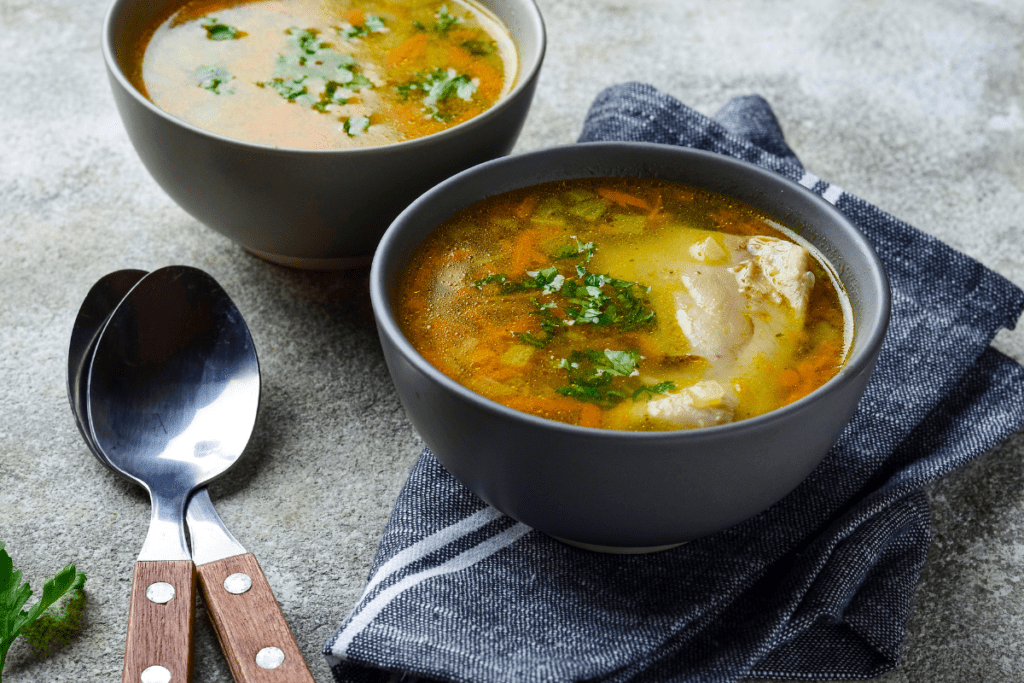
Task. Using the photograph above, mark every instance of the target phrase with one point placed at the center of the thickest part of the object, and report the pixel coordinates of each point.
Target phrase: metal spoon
(172, 395)
(210, 538)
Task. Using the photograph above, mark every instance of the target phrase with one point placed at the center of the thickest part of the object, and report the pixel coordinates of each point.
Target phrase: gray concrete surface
(915, 105)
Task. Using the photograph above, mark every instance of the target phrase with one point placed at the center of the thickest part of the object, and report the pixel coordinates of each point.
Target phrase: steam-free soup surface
(625, 304)
(326, 73)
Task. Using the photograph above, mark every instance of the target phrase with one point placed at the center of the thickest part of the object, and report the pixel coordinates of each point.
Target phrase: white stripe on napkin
(434, 541)
(832, 194)
(475, 554)
(808, 180)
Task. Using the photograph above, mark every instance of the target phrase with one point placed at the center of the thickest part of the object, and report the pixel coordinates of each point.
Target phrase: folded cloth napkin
(818, 586)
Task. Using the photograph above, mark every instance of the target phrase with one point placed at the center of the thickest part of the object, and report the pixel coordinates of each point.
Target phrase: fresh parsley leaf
(442, 85)
(356, 126)
(289, 90)
(590, 298)
(445, 20)
(307, 41)
(210, 77)
(478, 48)
(329, 96)
(359, 82)
(574, 249)
(218, 31)
(374, 24)
(532, 339)
(659, 388)
(14, 594)
(436, 87)
(494, 278)
(591, 373)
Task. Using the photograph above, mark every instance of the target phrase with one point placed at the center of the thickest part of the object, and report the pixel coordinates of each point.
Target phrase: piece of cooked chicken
(704, 404)
(738, 302)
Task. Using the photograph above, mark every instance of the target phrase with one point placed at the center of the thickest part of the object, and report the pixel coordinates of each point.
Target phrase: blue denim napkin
(818, 586)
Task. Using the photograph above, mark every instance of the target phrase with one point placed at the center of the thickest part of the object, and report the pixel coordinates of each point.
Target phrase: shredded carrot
(812, 372)
(590, 416)
(482, 355)
(458, 254)
(490, 80)
(411, 49)
(354, 17)
(408, 118)
(501, 373)
(651, 352)
(623, 198)
(564, 409)
(789, 378)
(657, 214)
(526, 207)
(525, 252)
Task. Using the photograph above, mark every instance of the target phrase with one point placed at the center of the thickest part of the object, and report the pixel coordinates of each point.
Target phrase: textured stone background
(915, 105)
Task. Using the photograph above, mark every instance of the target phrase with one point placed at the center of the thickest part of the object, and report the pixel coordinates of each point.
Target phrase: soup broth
(326, 73)
(625, 303)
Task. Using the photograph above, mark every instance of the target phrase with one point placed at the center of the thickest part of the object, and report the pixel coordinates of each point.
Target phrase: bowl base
(313, 263)
(618, 549)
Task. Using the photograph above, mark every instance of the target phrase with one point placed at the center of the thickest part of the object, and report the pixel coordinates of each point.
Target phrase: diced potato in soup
(325, 73)
(626, 303)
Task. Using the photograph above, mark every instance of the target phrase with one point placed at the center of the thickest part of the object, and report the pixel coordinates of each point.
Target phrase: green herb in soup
(326, 73)
(625, 303)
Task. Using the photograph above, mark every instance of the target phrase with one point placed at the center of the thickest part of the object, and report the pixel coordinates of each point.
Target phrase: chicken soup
(326, 74)
(625, 303)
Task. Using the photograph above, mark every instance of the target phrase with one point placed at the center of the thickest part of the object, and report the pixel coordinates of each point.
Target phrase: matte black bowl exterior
(630, 489)
(309, 208)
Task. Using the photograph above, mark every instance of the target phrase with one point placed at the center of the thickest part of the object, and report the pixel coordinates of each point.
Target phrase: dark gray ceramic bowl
(321, 209)
(630, 490)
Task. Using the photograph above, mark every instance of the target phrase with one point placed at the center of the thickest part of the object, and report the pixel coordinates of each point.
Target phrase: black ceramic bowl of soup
(301, 128)
(567, 259)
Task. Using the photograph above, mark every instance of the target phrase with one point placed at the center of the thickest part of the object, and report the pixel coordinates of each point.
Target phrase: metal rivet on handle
(237, 583)
(160, 593)
(269, 658)
(155, 674)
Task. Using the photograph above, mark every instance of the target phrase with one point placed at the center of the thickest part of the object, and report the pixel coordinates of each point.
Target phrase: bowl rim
(862, 356)
(525, 79)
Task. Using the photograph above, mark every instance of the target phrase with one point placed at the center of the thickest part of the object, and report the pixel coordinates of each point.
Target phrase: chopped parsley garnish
(218, 31)
(592, 372)
(437, 87)
(445, 20)
(290, 89)
(584, 298)
(330, 96)
(589, 298)
(659, 388)
(563, 300)
(356, 126)
(210, 77)
(313, 73)
(575, 248)
(478, 48)
(374, 24)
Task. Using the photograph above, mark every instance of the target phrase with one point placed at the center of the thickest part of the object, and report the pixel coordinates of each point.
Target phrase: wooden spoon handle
(159, 643)
(252, 631)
